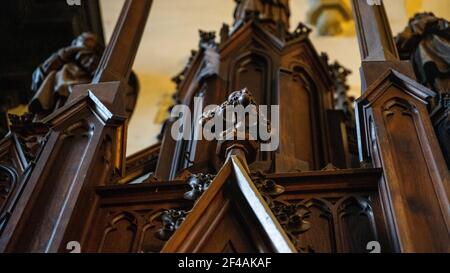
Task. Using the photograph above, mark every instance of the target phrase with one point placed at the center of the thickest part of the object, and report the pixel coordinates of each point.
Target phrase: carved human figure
(426, 42)
(75, 64)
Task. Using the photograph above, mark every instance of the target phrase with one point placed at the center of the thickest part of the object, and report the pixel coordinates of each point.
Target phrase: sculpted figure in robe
(75, 64)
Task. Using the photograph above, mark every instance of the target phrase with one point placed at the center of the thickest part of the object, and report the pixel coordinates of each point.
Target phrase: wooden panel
(399, 113)
(342, 207)
(70, 146)
(120, 234)
(128, 217)
(252, 72)
(356, 223)
(294, 94)
(415, 188)
(228, 234)
(321, 237)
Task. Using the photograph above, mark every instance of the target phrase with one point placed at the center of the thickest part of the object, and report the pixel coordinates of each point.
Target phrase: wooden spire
(374, 32)
(118, 58)
(377, 47)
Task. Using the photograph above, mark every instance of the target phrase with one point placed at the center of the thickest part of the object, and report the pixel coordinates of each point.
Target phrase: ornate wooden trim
(193, 232)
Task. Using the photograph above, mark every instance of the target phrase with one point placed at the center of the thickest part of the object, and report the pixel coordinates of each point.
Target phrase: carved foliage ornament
(32, 135)
(198, 184)
(290, 216)
(171, 220)
(240, 130)
(242, 98)
(300, 30)
(207, 39)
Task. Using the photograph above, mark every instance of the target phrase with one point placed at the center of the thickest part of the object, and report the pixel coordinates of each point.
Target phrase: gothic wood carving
(394, 102)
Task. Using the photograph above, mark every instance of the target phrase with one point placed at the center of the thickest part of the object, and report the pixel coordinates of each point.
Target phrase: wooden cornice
(90, 100)
(145, 192)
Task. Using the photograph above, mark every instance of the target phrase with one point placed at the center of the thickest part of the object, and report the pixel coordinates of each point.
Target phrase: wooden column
(122, 49)
(376, 44)
(396, 134)
(86, 144)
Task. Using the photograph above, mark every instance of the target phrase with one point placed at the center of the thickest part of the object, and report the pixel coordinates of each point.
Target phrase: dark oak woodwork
(415, 187)
(85, 145)
(279, 68)
(396, 134)
(344, 209)
(66, 178)
(127, 217)
(223, 220)
(377, 47)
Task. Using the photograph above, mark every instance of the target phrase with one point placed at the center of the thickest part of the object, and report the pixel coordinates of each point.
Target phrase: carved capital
(331, 17)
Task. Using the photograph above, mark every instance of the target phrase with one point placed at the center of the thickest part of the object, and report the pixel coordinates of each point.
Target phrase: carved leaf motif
(299, 31)
(197, 185)
(31, 135)
(171, 221)
(290, 216)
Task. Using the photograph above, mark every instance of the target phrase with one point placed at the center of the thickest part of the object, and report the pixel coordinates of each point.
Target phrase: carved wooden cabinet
(67, 179)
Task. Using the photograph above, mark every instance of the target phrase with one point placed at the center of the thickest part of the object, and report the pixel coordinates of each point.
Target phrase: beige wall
(172, 31)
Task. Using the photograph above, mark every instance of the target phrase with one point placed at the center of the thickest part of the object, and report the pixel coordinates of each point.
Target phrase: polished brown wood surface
(396, 133)
(85, 145)
(416, 198)
(65, 178)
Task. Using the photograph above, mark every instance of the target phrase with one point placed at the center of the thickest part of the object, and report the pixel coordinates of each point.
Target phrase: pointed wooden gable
(231, 216)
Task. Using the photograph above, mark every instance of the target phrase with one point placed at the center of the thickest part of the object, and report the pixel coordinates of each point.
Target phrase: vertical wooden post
(396, 133)
(85, 146)
(122, 49)
(377, 47)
